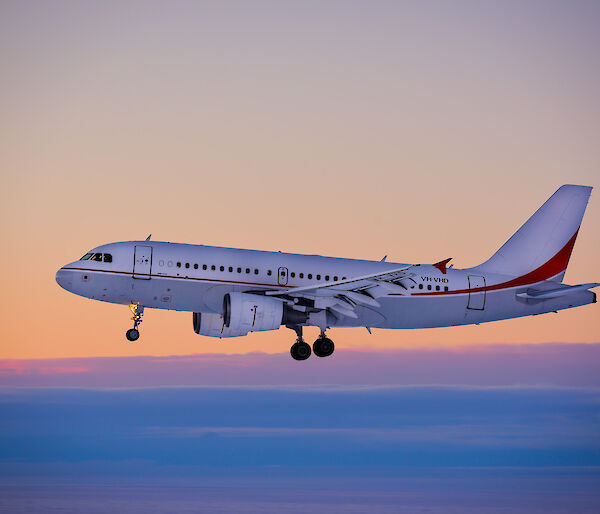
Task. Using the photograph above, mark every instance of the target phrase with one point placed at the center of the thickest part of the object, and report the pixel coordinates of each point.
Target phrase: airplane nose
(64, 278)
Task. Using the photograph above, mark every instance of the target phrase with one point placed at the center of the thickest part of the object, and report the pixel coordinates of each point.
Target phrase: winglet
(442, 265)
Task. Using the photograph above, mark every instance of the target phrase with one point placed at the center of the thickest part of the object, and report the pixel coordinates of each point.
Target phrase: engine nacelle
(251, 312)
(213, 325)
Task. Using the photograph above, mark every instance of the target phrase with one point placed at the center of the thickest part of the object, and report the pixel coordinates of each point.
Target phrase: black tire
(300, 351)
(132, 334)
(323, 347)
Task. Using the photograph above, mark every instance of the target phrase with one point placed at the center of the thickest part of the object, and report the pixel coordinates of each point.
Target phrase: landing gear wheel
(132, 334)
(323, 347)
(300, 351)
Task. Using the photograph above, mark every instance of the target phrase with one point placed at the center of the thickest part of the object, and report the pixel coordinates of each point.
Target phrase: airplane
(232, 292)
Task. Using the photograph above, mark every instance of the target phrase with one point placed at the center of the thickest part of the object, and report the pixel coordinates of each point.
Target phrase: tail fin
(543, 245)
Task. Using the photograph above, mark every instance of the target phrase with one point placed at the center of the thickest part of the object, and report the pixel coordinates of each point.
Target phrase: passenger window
(187, 265)
(318, 277)
(107, 257)
(256, 271)
(230, 269)
(310, 276)
(327, 278)
(428, 287)
(222, 268)
(335, 279)
(179, 264)
(213, 267)
(445, 288)
(269, 272)
(292, 274)
(343, 278)
(196, 266)
(247, 270)
(239, 270)
(86, 257)
(301, 275)
(420, 286)
(204, 267)
(437, 288)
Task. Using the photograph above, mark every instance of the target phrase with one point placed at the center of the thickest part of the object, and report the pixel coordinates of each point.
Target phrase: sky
(416, 130)
(420, 131)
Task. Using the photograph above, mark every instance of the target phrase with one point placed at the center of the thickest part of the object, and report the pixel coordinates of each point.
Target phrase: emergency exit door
(142, 262)
(476, 292)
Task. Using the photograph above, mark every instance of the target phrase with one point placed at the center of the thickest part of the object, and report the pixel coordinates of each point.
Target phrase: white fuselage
(196, 278)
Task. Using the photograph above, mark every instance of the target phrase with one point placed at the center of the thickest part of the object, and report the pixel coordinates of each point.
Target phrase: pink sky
(487, 365)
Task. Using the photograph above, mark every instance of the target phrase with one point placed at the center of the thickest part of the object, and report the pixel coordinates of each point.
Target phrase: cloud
(558, 364)
(229, 426)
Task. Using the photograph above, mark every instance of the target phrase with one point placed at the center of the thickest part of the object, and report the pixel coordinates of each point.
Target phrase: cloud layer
(396, 426)
(491, 365)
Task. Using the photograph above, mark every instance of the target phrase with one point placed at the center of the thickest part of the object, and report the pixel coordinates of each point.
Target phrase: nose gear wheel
(133, 334)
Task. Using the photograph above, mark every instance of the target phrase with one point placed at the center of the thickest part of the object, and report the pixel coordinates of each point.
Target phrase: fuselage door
(476, 292)
(282, 276)
(142, 262)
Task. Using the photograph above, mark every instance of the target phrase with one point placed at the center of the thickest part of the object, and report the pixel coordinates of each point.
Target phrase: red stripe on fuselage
(551, 268)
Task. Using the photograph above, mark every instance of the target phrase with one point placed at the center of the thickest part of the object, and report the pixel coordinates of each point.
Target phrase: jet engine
(252, 313)
(242, 313)
(212, 325)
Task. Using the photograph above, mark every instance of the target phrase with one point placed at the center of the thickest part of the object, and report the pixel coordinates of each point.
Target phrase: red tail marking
(549, 269)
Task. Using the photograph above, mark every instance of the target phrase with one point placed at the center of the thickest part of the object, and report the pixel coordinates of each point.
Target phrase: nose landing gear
(133, 334)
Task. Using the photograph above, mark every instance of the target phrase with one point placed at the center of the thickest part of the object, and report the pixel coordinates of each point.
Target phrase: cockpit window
(98, 257)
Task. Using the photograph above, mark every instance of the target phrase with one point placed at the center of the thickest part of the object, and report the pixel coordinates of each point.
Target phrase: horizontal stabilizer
(555, 293)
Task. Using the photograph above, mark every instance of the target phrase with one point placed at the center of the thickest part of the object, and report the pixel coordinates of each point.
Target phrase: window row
(99, 257)
(232, 269)
(318, 276)
(430, 287)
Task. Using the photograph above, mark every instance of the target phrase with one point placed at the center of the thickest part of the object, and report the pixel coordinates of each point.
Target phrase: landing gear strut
(300, 350)
(133, 334)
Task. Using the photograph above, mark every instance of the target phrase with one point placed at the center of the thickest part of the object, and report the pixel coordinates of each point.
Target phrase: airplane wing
(341, 297)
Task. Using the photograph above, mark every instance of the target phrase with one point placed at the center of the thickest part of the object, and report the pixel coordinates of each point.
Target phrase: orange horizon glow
(351, 131)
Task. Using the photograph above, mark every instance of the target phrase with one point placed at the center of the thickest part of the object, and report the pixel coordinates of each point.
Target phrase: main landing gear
(133, 334)
(300, 350)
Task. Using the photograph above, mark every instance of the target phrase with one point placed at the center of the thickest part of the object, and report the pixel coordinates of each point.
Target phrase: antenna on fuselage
(384, 258)
(148, 238)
